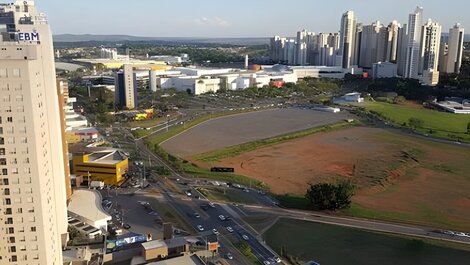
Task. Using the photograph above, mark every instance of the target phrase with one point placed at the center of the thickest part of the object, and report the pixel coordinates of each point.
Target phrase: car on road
(245, 237)
(211, 204)
(215, 231)
(229, 229)
(200, 228)
(197, 215)
(229, 256)
(188, 192)
(126, 226)
(266, 262)
(277, 259)
(222, 218)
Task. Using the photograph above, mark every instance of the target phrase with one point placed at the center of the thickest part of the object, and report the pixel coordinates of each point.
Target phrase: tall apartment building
(372, 45)
(402, 49)
(277, 48)
(430, 46)
(347, 40)
(32, 187)
(452, 59)
(413, 45)
(126, 88)
(393, 30)
(301, 49)
(429, 57)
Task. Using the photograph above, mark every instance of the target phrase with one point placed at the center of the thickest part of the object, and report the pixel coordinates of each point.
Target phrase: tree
(326, 196)
(415, 122)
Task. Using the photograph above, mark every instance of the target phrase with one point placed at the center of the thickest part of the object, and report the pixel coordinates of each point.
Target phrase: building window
(11, 230)
(6, 192)
(33, 229)
(5, 173)
(10, 119)
(8, 211)
(8, 202)
(16, 72)
(9, 221)
(14, 258)
(3, 161)
(2, 140)
(11, 239)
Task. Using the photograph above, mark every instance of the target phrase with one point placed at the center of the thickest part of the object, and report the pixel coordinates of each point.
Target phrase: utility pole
(89, 183)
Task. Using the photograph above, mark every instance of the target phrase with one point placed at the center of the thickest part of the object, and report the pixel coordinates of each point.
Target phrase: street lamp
(167, 121)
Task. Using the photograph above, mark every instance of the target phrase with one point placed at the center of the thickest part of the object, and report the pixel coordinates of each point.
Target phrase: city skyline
(207, 19)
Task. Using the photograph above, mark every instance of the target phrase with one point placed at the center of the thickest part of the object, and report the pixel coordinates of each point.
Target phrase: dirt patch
(408, 178)
(289, 167)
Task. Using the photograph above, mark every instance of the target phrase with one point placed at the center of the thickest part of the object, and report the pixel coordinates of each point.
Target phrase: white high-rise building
(415, 23)
(347, 40)
(430, 46)
(453, 60)
(392, 41)
(32, 187)
(301, 49)
(429, 57)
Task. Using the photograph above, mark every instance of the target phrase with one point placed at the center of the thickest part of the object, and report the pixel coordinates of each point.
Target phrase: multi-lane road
(209, 216)
(209, 219)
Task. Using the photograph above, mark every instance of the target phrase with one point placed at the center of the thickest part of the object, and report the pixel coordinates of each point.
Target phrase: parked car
(200, 228)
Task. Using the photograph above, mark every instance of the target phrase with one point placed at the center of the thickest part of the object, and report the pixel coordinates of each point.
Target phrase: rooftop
(183, 260)
(87, 204)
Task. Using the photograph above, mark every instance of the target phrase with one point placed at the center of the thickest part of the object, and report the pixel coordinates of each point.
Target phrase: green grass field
(441, 124)
(334, 245)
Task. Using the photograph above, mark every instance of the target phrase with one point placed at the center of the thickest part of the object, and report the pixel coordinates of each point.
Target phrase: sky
(235, 18)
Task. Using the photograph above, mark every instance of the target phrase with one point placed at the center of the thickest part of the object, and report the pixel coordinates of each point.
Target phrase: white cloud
(215, 21)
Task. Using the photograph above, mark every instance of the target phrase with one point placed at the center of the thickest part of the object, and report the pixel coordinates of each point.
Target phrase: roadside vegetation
(245, 249)
(327, 196)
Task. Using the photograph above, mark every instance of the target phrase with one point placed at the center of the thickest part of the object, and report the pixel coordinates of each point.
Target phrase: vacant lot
(438, 123)
(335, 245)
(400, 177)
(233, 130)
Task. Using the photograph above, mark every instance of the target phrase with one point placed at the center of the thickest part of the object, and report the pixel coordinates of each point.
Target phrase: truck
(97, 184)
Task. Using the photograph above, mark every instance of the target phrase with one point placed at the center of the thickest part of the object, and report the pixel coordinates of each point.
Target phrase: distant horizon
(230, 19)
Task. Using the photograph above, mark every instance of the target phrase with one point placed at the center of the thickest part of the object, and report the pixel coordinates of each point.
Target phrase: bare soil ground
(406, 178)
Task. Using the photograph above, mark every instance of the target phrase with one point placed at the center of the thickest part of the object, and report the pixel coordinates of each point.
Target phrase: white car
(266, 262)
(229, 229)
(229, 256)
(211, 204)
(245, 237)
(277, 259)
(215, 231)
(222, 218)
(200, 228)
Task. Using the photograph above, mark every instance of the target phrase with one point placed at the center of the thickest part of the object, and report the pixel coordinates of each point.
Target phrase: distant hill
(118, 38)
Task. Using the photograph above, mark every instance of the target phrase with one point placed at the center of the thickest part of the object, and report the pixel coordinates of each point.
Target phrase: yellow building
(108, 166)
